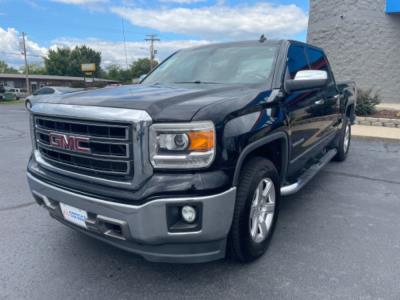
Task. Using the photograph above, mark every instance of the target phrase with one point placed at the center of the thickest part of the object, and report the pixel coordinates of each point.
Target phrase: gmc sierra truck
(190, 164)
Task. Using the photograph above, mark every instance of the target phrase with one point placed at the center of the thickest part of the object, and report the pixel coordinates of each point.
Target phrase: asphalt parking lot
(339, 238)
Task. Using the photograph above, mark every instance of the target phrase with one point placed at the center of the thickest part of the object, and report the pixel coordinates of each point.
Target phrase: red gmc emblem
(69, 142)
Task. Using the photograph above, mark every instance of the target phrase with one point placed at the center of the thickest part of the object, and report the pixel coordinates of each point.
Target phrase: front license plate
(74, 215)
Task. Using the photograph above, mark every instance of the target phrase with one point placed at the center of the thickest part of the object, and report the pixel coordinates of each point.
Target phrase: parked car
(48, 91)
(191, 164)
(19, 93)
(9, 96)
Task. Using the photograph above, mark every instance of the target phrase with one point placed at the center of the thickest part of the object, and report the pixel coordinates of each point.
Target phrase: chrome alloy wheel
(346, 142)
(262, 210)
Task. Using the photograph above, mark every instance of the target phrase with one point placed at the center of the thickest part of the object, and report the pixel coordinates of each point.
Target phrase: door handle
(319, 102)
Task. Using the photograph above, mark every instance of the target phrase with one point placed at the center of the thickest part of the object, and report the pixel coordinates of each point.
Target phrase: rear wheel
(344, 141)
(256, 210)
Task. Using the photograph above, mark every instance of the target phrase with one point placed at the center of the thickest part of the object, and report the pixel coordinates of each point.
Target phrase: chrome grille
(109, 152)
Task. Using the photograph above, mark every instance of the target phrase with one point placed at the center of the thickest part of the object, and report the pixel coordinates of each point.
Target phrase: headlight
(182, 146)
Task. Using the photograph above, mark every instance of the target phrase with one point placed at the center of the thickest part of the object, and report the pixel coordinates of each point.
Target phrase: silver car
(48, 91)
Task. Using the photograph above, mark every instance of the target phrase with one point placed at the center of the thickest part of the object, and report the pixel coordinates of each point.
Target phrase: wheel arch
(260, 145)
(350, 112)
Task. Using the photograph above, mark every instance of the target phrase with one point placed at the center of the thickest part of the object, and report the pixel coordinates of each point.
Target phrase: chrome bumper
(143, 228)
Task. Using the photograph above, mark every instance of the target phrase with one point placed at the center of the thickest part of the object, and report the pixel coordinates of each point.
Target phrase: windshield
(220, 64)
(68, 89)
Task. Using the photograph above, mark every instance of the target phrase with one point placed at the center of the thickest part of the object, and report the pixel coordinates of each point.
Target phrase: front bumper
(143, 229)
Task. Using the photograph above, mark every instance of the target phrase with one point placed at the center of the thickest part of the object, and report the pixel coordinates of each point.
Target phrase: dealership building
(362, 40)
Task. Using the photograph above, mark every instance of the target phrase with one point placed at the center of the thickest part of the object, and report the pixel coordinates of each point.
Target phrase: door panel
(303, 108)
(307, 123)
(329, 109)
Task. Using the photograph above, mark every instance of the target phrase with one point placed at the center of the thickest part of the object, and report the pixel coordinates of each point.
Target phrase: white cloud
(114, 53)
(221, 21)
(10, 48)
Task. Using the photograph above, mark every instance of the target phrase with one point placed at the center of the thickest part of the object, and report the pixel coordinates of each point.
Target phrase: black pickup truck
(190, 164)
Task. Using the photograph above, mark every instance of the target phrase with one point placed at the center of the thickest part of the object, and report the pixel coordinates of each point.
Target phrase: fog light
(188, 213)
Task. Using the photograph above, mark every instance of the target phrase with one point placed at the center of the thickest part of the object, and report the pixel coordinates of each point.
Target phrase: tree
(83, 55)
(57, 61)
(67, 62)
(141, 67)
(34, 69)
(115, 72)
(5, 68)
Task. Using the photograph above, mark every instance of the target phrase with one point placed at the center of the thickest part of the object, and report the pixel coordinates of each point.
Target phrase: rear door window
(317, 60)
(46, 91)
(297, 60)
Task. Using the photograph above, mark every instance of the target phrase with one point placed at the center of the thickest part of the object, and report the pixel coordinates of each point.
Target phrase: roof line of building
(50, 77)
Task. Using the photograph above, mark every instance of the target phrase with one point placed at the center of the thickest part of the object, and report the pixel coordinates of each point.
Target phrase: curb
(374, 138)
(376, 132)
(382, 122)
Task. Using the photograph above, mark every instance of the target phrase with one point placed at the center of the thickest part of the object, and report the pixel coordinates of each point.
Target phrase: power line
(152, 38)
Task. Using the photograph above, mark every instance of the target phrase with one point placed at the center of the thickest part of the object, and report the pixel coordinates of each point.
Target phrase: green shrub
(366, 102)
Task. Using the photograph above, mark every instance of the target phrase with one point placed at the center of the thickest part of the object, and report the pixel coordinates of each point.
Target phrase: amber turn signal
(201, 140)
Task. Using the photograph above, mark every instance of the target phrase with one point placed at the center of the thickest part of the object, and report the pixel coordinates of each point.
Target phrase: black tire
(241, 245)
(341, 148)
(28, 104)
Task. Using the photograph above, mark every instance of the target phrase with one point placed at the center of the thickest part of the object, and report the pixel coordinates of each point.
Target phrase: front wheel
(344, 141)
(28, 104)
(256, 210)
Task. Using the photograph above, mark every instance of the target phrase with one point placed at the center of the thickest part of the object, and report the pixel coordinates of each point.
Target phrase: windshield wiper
(198, 82)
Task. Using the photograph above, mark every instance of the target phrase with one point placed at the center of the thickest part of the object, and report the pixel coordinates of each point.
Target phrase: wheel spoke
(260, 192)
(269, 208)
(262, 227)
(254, 226)
(256, 199)
(267, 189)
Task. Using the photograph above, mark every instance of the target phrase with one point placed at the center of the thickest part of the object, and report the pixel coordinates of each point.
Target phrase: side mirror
(307, 79)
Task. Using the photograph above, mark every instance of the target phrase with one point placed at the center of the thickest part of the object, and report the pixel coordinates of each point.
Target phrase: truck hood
(163, 103)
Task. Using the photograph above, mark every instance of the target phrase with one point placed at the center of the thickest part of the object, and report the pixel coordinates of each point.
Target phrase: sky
(118, 28)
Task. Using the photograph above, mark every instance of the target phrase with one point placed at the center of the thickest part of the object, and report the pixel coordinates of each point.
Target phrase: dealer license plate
(74, 215)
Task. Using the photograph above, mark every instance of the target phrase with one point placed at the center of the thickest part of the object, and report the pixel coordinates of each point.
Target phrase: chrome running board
(308, 175)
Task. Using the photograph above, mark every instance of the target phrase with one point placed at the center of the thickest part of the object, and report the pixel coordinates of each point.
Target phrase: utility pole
(28, 90)
(152, 38)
